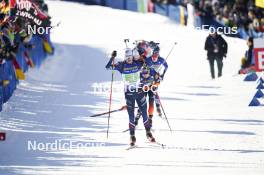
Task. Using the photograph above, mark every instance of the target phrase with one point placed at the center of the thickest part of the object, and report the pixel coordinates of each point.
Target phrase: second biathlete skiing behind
(160, 66)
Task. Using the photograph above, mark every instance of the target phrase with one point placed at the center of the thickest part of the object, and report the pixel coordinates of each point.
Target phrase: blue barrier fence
(161, 9)
(174, 12)
(7, 70)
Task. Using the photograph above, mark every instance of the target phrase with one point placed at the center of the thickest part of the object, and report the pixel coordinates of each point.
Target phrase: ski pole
(163, 111)
(110, 100)
(167, 56)
(116, 110)
(170, 51)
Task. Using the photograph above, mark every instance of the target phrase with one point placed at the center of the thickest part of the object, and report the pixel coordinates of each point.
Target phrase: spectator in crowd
(248, 61)
(233, 13)
(16, 43)
(13, 30)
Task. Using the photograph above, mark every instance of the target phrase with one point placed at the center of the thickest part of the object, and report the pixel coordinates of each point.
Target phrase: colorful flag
(12, 3)
(19, 73)
(47, 47)
(260, 3)
(29, 10)
(28, 59)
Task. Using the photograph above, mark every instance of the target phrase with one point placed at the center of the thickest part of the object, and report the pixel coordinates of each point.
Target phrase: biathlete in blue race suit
(160, 66)
(130, 71)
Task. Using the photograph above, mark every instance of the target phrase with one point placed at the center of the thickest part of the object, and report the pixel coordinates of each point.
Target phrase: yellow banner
(182, 19)
(260, 3)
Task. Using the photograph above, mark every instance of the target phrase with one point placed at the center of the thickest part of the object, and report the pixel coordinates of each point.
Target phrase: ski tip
(131, 147)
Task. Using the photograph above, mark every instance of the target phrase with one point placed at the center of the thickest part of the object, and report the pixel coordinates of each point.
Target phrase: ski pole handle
(126, 41)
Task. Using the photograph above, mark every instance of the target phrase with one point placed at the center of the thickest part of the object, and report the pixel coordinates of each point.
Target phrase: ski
(131, 147)
(128, 130)
(158, 144)
(104, 113)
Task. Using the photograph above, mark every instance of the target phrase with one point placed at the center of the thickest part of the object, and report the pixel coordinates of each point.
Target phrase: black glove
(113, 54)
(162, 77)
(159, 77)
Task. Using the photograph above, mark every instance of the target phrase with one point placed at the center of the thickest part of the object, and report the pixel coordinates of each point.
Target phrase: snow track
(214, 131)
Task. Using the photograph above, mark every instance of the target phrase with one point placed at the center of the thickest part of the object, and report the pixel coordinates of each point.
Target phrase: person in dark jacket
(216, 48)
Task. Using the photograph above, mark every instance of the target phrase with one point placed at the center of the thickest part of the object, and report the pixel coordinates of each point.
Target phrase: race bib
(131, 78)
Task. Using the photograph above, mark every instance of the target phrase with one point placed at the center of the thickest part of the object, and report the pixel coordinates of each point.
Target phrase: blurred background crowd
(232, 13)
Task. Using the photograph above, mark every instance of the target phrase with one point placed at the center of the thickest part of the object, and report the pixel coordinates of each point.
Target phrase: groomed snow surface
(214, 130)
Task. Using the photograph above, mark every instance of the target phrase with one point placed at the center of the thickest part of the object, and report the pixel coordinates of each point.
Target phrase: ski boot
(150, 137)
(132, 140)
